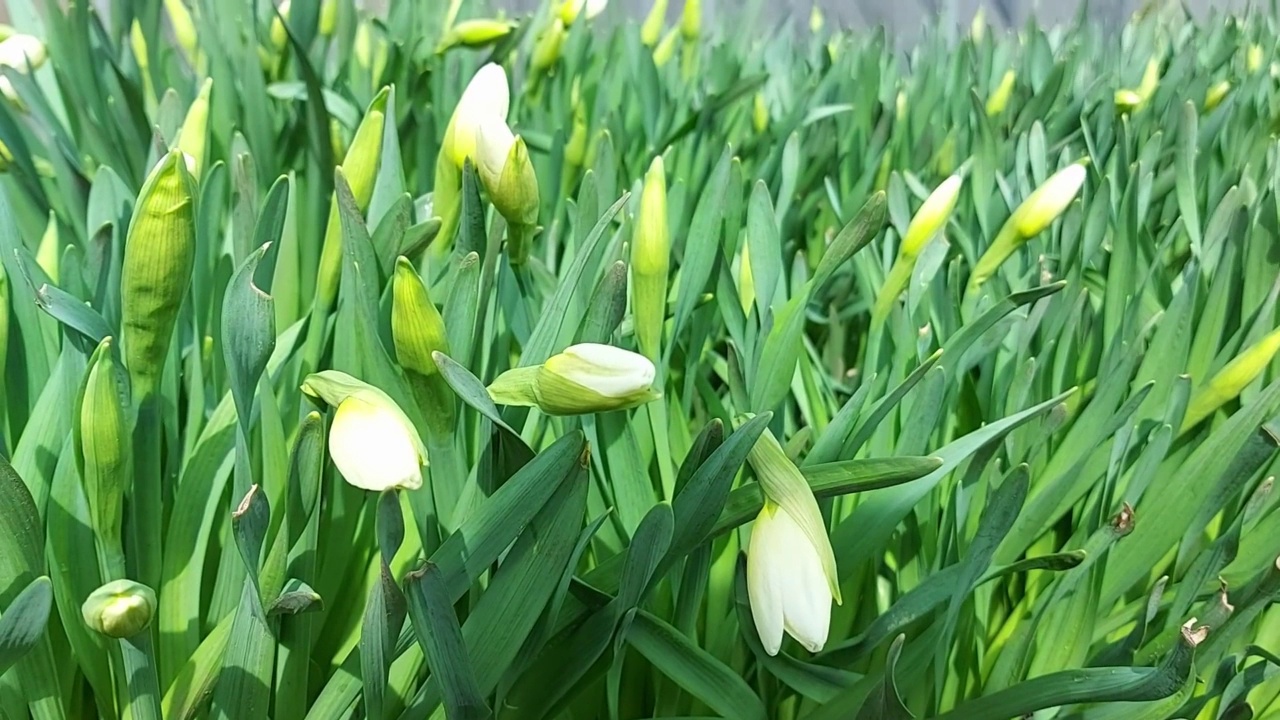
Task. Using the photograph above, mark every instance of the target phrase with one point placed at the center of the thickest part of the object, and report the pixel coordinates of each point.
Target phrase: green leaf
(694, 669)
(23, 622)
(440, 635)
(885, 702)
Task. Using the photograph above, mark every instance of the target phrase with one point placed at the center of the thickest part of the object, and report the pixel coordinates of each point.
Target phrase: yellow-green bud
(1215, 95)
(158, 256)
(651, 30)
(49, 253)
(978, 26)
(184, 28)
(999, 98)
(1253, 58)
(931, 216)
(120, 609)
(193, 138)
(691, 19)
(1127, 100)
(666, 49)
(1048, 201)
(503, 163)
(547, 50)
(1233, 378)
(328, 17)
(584, 378)
(760, 114)
(570, 9)
(650, 260)
(477, 33)
(487, 95)
(279, 37)
(746, 281)
(1150, 79)
(360, 168)
(372, 442)
(816, 20)
(575, 148)
(418, 331)
(103, 439)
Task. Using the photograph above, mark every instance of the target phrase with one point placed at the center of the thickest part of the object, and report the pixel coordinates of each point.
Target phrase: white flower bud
(786, 583)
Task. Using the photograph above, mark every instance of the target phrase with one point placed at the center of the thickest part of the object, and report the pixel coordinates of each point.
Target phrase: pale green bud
(507, 172)
(1127, 100)
(1150, 79)
(418, 331)
(328, 21)
(760, 114)
(279, 37)
(650, 260)
(120, 609)
(103, 440)
(1231, 380)
(584, 378)
(932, 216)
(1253, 59)
(817, 20)
(184, 28)
(651, 30)
(49, 254)
(575, 148)
(372, 442)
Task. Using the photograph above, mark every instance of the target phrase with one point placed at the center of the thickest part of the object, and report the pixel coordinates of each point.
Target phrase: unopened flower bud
(584, 378)
(546, 52)
(476, 33)
(1000, 96)
(650, 261)
(120, 609)
(651, 30)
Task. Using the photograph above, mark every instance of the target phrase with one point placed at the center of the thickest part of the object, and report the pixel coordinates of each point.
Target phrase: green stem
(147, 506)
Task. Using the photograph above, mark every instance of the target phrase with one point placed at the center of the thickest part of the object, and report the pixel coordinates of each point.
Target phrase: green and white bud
(486, 96)
(193, 138)
(372, 442)
(22, 52)
(120, 609)
(932, 216)
(279, 37)
(570, 9)
(507, 172)
(584, 378)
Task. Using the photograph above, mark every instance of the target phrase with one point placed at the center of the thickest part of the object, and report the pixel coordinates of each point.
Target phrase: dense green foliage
(1044, 455)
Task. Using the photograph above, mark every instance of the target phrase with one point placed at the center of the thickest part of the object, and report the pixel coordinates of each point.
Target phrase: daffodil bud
(487, 95)
(650, 260)
(184, 28)
(194, 135)
(666, 48)
(504, 166)
(791, 568)
(978, 26)
(746, 282)
(651, 30)
(691, 19)
(159, 253)
(22, 52)
(1253, 58)
(328, 21)
(1212, 98)
(372, 442)
(49, 254)
(760, 114)
(571, 9)
(477, 33)
(1036, 213)
(1231, 380)
(999, 98)
(931, 216)
(546, 52)
(360, 168)
(1048, 201)
(103, 440)
(1127, 100)
(575, 148)
(1150, 79)
(120, 609)
(584, 378)
(280, 37)
(418, 331)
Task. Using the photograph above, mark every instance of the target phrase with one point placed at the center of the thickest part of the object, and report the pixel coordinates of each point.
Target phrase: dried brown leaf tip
(243, 507)
(1192, 634)
(1123, 521)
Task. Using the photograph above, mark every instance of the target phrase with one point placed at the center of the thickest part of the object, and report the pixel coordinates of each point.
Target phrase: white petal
(486, 96)
(765, 585)
(807, 608)
(22, 52)
(493, 143)
(372, 447)
(595, 7)
(608, 370)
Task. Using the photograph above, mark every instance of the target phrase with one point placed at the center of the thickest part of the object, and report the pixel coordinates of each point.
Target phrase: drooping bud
(477, 33)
